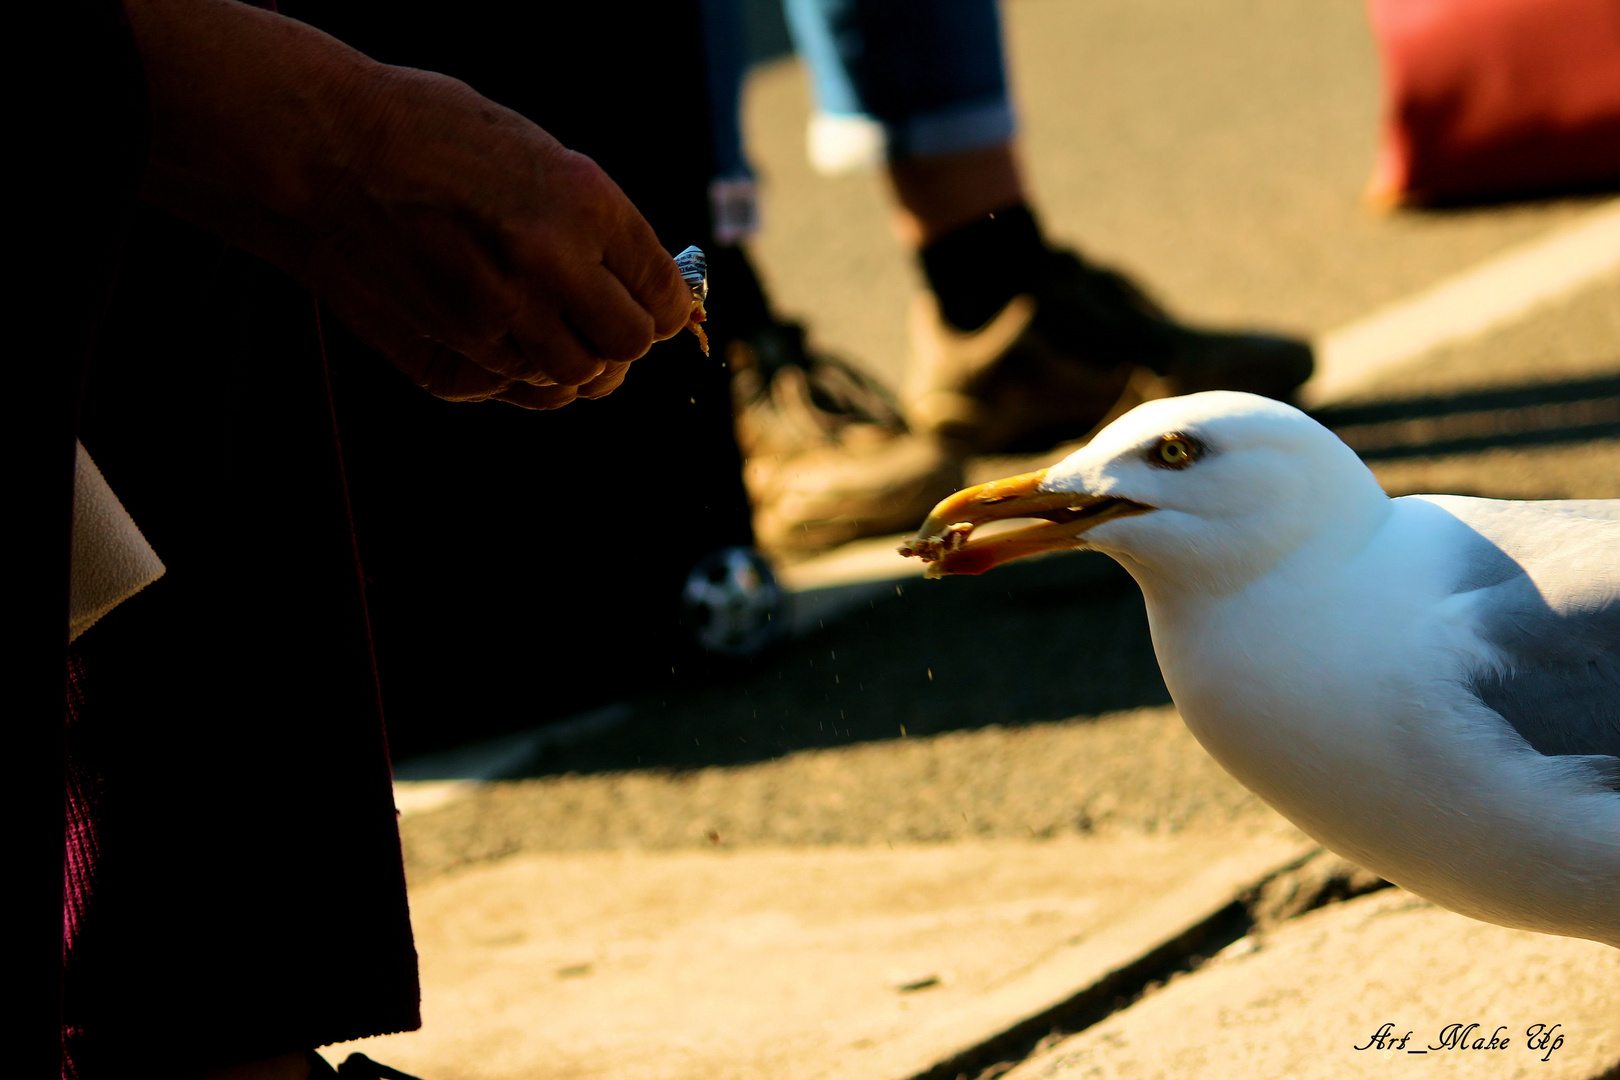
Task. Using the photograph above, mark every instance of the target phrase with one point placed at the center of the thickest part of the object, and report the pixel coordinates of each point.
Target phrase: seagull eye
(1172, 452)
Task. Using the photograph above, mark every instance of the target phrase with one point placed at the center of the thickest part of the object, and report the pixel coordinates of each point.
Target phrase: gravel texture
(1136, 771)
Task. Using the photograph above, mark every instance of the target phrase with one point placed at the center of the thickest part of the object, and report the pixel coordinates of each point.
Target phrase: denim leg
(725, 46)
(827, 36)
(733, 194)
(930, 71)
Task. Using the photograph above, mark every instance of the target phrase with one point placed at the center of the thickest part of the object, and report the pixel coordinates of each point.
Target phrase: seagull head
(1207, 491)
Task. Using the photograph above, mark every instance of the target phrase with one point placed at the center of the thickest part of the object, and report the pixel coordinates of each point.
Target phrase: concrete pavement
(1461, 1000)
(875, 963)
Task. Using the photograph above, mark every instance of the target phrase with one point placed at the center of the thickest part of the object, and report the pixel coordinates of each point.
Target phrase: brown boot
(828, 456)
(1057, 364)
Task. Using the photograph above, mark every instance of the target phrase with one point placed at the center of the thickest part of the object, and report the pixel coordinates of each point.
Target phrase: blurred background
(1218, 152)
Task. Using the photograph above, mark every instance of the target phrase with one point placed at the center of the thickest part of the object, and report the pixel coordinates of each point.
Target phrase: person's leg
(931, 74)
(932, 77)
(940, 193)
(238, 858)
(988, 373)
(733, 193)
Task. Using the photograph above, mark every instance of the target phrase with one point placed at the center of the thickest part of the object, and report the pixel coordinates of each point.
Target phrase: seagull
(1428, 686)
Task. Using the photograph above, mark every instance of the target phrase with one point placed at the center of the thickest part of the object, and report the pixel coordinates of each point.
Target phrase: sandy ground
(1462, 1000)
(1134, 773)
(859, 961)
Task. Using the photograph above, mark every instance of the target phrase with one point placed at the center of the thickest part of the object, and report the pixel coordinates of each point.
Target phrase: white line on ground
(431, 780)
(1498, 291)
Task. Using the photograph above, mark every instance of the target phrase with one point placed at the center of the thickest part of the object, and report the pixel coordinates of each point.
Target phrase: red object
(1491, 98)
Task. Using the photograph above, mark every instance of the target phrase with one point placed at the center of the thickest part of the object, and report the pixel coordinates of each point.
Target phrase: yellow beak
(944, 541)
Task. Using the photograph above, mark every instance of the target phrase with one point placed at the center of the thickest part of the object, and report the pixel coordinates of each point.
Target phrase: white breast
(1335, 694)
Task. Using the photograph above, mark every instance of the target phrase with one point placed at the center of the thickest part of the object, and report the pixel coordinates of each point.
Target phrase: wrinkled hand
(451, 234)
(487, 260)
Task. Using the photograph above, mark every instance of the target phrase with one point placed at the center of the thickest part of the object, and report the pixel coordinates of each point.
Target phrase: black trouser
(523, 565)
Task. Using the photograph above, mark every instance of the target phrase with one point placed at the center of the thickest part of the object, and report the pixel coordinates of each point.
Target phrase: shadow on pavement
(1052, 638)
(1536, 414)
(1042, 640)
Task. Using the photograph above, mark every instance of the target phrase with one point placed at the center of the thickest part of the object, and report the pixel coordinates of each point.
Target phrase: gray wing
(1549, 581)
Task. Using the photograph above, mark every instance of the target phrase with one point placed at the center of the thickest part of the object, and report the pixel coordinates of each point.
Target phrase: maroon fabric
(1497, 97)
(82, 787)
(234, 877)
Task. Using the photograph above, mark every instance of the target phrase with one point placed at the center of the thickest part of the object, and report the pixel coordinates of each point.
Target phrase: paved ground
(965, 807)
(790, 963)
(1281, 1004)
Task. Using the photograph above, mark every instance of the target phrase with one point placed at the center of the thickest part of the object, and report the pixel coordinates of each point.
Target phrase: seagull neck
(1345, 532)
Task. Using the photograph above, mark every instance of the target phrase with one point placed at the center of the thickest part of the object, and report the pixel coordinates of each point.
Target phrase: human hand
(457, 238)
(484, 258)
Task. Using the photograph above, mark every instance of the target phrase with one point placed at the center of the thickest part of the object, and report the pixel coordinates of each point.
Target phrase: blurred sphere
(732, 604)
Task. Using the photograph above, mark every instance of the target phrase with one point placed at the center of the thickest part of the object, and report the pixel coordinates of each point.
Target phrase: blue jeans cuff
(970, 125)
